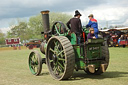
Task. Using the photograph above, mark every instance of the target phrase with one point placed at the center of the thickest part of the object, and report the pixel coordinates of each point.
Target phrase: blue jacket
(93, 24)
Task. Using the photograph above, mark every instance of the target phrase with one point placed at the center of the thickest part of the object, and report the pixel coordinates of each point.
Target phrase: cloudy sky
(112, 11)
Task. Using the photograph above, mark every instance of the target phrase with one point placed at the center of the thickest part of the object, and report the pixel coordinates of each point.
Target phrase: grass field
(14, 71)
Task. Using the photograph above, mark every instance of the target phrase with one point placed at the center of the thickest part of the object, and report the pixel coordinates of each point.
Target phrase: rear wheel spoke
(61, 65)
(51, 61)
(60, 52)
(55, 69)
(61, 59)
(52, 50)
(55, 43)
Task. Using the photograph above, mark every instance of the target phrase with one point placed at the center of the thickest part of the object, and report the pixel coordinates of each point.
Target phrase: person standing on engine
(74, 24)
(93, 24)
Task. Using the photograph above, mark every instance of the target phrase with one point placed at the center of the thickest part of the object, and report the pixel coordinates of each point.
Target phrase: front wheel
(35, 63)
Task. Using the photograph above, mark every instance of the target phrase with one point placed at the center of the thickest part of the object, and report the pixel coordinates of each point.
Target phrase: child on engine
(91, 34)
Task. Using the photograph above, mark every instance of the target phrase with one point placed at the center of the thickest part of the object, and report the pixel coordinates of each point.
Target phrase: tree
(36, 25)
(105, 28)
(20, 31)
(2, 38)
(33, 28)
(58, 17)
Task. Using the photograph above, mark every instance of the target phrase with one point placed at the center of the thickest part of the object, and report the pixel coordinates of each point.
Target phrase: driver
(74, 24)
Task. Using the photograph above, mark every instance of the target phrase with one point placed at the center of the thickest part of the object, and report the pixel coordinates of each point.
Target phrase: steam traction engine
(64, 55)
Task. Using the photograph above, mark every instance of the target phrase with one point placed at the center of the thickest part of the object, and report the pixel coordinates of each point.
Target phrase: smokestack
(45, 19)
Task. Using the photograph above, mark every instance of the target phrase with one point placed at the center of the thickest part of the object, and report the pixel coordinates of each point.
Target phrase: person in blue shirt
(93, 24)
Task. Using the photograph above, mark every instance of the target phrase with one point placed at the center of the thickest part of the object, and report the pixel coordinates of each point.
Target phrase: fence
(12, 48)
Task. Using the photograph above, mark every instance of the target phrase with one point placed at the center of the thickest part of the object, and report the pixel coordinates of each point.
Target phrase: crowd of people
(123, 37)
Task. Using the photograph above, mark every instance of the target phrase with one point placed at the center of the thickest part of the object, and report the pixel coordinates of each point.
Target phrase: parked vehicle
(33, 43)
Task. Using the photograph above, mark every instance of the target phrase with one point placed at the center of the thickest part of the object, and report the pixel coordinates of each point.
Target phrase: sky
(113, 12)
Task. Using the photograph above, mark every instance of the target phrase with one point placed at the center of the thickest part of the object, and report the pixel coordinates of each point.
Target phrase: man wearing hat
(93, 24)
(74, 24)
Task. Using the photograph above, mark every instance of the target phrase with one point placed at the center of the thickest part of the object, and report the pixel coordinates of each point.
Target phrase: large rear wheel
(60, 57)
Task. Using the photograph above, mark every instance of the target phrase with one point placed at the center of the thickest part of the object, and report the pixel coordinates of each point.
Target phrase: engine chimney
(45, 19)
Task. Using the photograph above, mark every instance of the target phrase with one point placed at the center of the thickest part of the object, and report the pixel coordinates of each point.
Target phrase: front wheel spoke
(31, 63)
(34, 68)
(30, 59)
(34, 58)
(35, 65)
(36, 62)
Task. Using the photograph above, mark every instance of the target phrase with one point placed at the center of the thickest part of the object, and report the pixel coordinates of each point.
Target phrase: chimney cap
(45, 12)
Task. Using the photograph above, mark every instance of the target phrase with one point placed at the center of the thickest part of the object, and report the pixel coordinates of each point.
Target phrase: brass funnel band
(45, 12)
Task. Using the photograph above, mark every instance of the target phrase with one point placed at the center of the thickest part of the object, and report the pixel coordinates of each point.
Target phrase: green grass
(14, 71)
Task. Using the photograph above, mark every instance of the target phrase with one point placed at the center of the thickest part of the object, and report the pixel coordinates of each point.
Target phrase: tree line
(32, 28)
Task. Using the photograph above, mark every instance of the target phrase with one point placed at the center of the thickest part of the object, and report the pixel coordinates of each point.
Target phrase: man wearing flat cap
(74, 24)
(93, 24)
